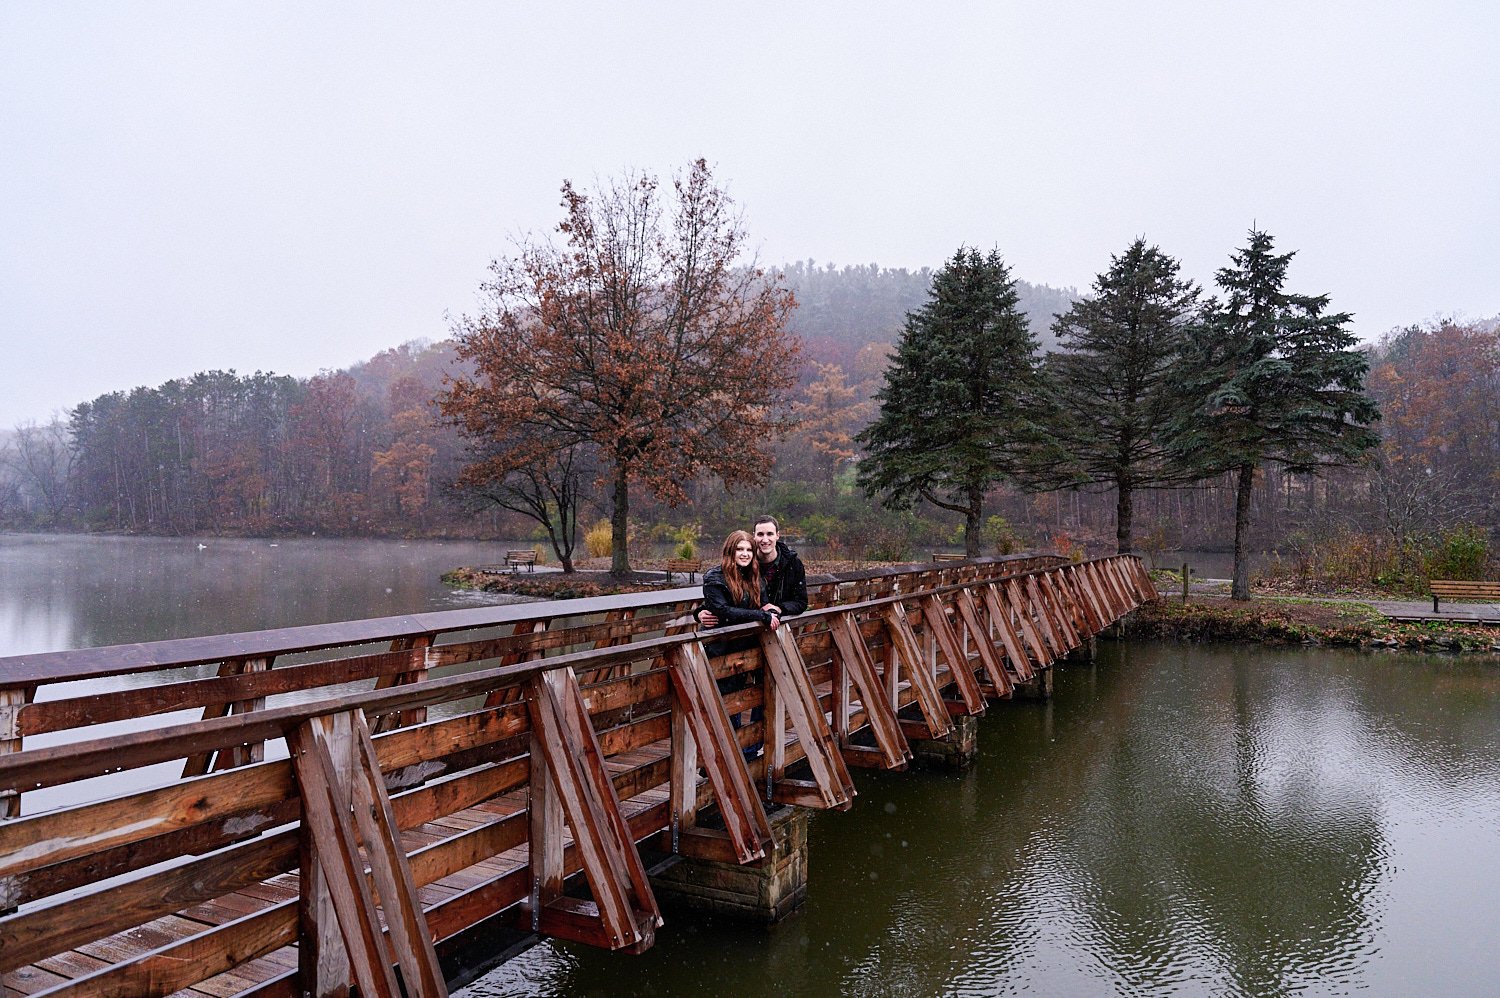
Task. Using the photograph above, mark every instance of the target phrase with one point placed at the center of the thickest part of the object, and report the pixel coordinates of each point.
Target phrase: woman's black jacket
(718, 599)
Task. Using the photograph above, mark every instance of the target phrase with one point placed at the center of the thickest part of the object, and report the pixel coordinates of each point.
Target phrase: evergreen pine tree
(1113, 383)
(1280, 380)
(954, 410)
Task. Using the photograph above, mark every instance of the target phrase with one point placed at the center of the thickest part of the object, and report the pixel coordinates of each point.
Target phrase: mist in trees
(365, 451)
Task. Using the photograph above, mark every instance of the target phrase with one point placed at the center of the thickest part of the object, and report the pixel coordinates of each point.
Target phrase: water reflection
(1179, 820)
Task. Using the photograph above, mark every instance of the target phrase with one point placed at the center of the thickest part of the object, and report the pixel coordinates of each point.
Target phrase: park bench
(949, 557)
(684, 566)
(515, 559)
(1452, 589)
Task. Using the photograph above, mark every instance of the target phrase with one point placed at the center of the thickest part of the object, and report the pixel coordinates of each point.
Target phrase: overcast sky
(297, 186)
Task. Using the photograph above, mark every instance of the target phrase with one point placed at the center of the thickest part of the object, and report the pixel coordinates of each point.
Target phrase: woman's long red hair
(739, 584)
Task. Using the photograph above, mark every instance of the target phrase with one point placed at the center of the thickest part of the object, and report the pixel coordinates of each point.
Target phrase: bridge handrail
(35, 669)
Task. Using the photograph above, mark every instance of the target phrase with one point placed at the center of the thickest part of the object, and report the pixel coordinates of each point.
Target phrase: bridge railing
(558, 753)
(58, 694)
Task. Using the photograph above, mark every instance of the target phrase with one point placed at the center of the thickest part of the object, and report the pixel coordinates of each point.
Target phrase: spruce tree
(1280, 380)
(1113, 384)
(955, 407)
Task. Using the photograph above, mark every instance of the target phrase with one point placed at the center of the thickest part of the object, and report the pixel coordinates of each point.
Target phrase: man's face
(765, 540)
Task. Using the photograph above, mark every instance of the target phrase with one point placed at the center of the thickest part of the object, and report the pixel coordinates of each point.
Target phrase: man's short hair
(767, 519)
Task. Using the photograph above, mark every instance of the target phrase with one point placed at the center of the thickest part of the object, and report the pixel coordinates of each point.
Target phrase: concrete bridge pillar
(957, 751)
(764, 891)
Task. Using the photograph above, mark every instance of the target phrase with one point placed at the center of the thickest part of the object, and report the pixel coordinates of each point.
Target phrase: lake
(1178, 820)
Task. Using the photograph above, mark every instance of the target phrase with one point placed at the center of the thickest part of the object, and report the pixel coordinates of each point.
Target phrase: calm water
(1178, 820)
(69, 591)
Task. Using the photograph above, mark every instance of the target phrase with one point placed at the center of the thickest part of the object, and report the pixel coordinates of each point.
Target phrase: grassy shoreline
(1284, 620)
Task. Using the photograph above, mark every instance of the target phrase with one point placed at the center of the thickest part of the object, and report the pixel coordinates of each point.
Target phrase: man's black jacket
(785, 581)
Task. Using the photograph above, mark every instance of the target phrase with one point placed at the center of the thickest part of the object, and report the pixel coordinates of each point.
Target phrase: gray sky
(290, 186)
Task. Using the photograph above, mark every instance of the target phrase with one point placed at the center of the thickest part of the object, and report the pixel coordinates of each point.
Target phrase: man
(783, 580)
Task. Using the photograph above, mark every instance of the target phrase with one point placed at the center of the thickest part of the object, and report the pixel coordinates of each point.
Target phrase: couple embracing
(758, 580)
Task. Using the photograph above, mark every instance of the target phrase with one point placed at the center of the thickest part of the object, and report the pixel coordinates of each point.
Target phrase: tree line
(633, 366)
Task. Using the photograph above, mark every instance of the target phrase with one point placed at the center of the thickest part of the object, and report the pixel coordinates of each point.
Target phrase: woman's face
(744, 551)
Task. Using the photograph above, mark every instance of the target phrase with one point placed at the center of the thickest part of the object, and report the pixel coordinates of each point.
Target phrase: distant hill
(843, 309)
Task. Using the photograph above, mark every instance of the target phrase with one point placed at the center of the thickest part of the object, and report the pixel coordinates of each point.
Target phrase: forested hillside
(363, 452)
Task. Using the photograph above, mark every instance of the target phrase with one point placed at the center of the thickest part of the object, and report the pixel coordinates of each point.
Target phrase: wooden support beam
(858, 669)
(787, 673)
(1022, 607)
(1049, 587)
(627, 915)
(996, 602)
(1046, 627)
(935, 617)
(514, 694)
(989, 657)
(699, 710)
(238, 755)
(904, 646)
(418, 645)
(345, 807)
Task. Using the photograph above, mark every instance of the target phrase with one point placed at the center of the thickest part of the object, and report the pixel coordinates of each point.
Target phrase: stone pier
(764, 891)
(958, 751)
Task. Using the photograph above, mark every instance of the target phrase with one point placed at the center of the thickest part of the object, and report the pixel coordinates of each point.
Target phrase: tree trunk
(1124, 515)
(1240, 590)
(972, 521)
(619, 522)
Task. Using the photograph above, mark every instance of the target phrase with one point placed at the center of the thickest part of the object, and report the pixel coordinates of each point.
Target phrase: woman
(731, 590)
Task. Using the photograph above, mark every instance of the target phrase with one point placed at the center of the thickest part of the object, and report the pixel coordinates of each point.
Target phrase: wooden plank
(42, 931)
(177, 965)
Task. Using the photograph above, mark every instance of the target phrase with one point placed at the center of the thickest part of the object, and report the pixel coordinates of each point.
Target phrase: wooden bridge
(429, 793)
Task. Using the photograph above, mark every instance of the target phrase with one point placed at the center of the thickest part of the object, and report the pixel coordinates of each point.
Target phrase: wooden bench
(1452, 589)
(684, 566)
(515, 559)
(950, 557)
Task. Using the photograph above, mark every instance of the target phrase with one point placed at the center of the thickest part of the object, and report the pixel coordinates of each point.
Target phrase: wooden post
(1185, 571)
(322, 959)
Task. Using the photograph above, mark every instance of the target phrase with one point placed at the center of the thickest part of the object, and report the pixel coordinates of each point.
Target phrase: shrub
(599, 540)
(1461, 553)
(1000, 535)
(686, 550)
